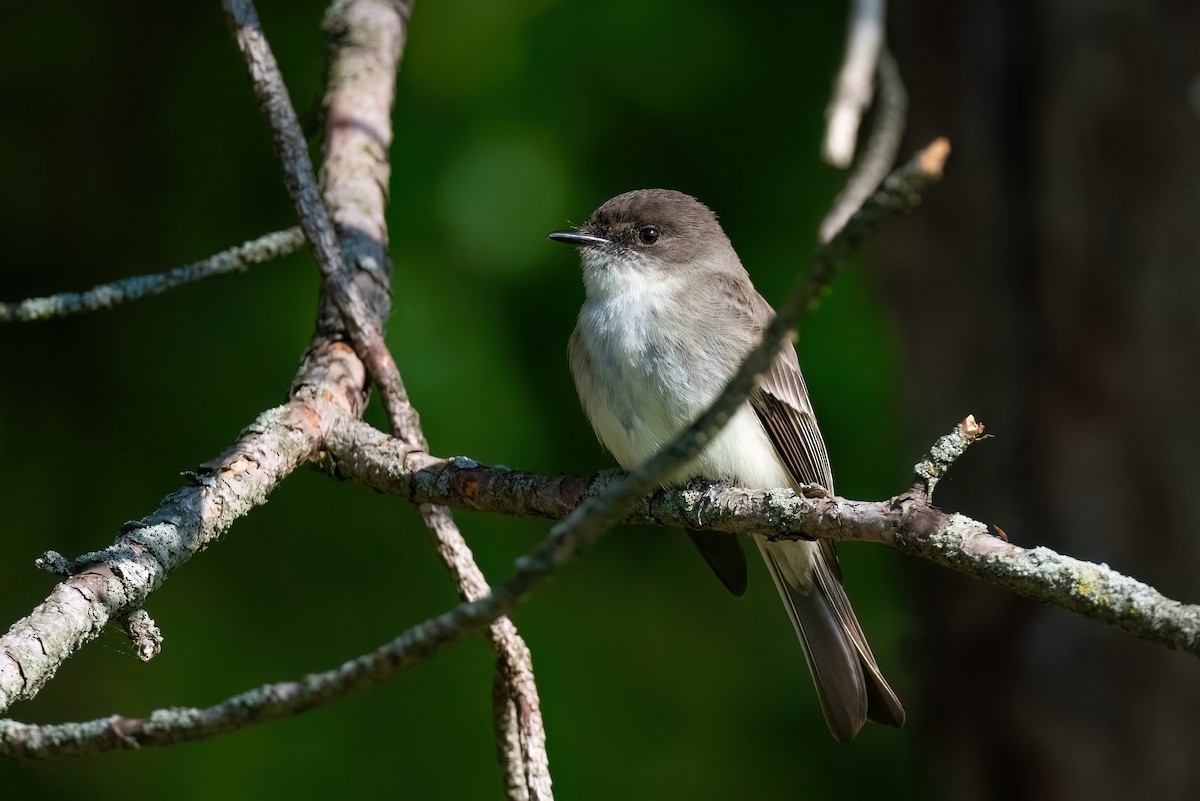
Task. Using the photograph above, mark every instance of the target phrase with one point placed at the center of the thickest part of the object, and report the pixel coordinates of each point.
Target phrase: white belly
(741, 453)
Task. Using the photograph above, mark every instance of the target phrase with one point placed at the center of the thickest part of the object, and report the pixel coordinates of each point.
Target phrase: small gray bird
(669, 315)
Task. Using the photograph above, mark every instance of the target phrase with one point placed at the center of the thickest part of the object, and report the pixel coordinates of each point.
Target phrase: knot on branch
(916, 518)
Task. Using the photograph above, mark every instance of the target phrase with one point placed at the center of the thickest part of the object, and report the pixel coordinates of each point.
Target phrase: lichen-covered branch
(115, 581)
(945, 452)
(906, 522)
(165, 727)
(1093, 590)
(256, 251)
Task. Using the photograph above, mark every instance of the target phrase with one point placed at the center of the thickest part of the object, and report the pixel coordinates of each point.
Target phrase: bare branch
(114, 581)
(256, 251)
(906, 522)
(360, 321)
(366, 42)
(266, 703)
(181, 725)
(852, 95)
(366, 38)
(271, 702)
(880, 153)
(520, 732)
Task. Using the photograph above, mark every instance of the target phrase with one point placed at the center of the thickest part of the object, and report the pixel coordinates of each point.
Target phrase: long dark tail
(849, 684)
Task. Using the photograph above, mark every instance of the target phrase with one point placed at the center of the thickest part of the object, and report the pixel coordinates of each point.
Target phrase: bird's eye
(649, 235)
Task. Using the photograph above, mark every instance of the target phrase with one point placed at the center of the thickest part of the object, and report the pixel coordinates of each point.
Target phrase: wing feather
(783, 408)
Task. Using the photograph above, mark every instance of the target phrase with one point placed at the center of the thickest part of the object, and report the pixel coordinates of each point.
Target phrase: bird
(668, 315)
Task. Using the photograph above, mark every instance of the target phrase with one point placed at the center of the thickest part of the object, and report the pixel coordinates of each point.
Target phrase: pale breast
(640, 386)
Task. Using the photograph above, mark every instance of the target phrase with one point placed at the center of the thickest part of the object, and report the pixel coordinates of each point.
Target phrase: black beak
(576, 238)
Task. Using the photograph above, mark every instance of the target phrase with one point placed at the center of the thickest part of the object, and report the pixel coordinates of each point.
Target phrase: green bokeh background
(132, 143)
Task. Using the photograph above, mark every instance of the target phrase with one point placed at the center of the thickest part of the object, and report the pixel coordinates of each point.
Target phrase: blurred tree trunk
(1051, 287)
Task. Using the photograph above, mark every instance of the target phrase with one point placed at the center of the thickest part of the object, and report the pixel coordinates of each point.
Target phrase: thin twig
(517, 712)
(366, 40)
(880, 152)
(854, 88)
(266, 703)
(301, 182)
(256, 251)
(945, 452)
